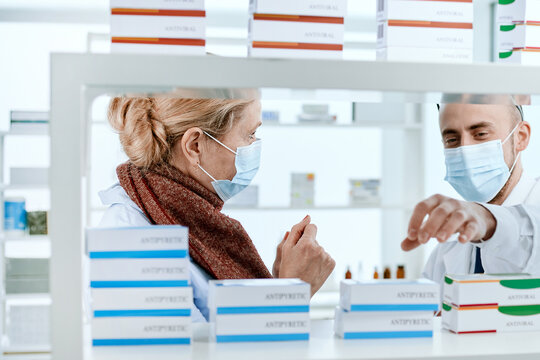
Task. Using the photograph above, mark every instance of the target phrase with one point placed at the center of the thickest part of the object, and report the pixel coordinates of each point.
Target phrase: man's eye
(482, 134)
(451, 141)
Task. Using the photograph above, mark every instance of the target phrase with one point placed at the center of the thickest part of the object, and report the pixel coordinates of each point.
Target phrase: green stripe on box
(504, 55)
(446, 307)
(448, 280)
(526, 310)
(506, 2)
(521, 284)
(507, 27)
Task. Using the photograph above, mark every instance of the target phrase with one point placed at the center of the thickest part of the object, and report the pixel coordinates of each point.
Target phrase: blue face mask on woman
(247, 161)
(478, 172)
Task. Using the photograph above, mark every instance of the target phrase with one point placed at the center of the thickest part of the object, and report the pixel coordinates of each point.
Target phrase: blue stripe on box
(262, 337)
(158, 312)
(262, 309)
(387, 334)
(138, 283)
(121, 342)
(395, 307)
(150, 254)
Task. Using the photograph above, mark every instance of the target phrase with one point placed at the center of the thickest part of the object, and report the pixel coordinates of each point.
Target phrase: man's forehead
(465, 116)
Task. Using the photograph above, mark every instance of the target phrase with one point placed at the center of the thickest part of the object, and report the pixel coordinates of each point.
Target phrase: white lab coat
(122, 212)
(514, 247)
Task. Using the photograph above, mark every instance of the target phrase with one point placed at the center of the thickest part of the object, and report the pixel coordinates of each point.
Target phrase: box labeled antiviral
(158, 4)
(383, 324)
(491, 290)
(491, 318)
(520, 56)
(424, 34)
(525, 35)
(386, 295)
(335, 8)
(460, 11)
(279, 28)
(514, 11)
(285, 50)
(415, 54)
(118, 301)
(158, 46)
(259, 310)
(144, 330)
(148, 23)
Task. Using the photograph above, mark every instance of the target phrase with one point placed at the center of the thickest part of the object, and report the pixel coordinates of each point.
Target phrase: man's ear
(190, 144)
(523, 136)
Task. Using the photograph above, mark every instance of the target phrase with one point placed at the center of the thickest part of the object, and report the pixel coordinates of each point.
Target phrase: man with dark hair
(482, 145)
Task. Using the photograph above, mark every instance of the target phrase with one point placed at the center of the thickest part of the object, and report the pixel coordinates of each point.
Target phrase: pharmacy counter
(324, 345)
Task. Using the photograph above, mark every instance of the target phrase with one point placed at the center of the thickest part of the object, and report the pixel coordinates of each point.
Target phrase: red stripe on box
(430, 24)
(152, 12)
(299, 18)
(297, 46)
(158, 41)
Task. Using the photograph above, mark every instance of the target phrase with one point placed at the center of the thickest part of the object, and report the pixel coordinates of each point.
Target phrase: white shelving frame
(76, 79)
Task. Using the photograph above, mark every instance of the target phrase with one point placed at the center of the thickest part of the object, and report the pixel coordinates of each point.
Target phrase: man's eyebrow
(449, 132)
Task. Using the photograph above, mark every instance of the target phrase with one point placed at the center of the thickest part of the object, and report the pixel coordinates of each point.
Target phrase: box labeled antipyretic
(383, 324)
(389, 295)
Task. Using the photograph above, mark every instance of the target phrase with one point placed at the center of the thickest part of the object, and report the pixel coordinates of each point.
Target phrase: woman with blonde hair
(186, 158)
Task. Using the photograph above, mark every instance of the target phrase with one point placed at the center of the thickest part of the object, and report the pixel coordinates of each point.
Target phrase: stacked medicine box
(518, 39)
(139, 285)
(425, 30)
(491, 303)
(259, 310)
(297, 29)
(158, 26)
(386, 309)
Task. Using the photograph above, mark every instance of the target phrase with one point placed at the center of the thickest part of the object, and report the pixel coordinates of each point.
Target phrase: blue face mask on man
(478, 172)
(247, 162)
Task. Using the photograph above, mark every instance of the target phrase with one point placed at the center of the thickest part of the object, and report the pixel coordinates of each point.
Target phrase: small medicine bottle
(348, 274)
(387, 273)
(400, 274)
(375, 273)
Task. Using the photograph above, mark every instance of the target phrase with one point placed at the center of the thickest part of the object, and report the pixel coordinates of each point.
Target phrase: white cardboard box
(518, 36)
(425, 54)
(234, 296)
(389, 295)
(491, 318)
(520, 56)
(158, 4)
(490, 290)
(261, 327)
(148, 238)
(385, 324)
(153, 26)
(142, 298)
(127, 48)
(397, 33)
(290, 31)
(332, 8)
(147, 330)
(511, 11)
(425, 10)
(118, 270)
(291, 53)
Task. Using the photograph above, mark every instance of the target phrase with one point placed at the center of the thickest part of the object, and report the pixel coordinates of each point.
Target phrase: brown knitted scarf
(219, 244)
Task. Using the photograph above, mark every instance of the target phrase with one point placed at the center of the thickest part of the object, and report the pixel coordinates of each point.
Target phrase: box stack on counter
(302, 190)
(158, 26)
(259, 310)
(386, 309)
(139, 282)
(425, 30)
(491, 303)
(518, 22)
(297, 29)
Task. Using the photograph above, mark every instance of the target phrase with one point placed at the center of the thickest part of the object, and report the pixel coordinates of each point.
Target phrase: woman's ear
(523, 136)
(190, 145)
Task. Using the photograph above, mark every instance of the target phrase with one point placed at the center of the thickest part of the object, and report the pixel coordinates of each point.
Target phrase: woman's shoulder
(121, 210)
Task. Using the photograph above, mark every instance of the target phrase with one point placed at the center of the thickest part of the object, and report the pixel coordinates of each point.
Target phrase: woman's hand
(302, 257)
